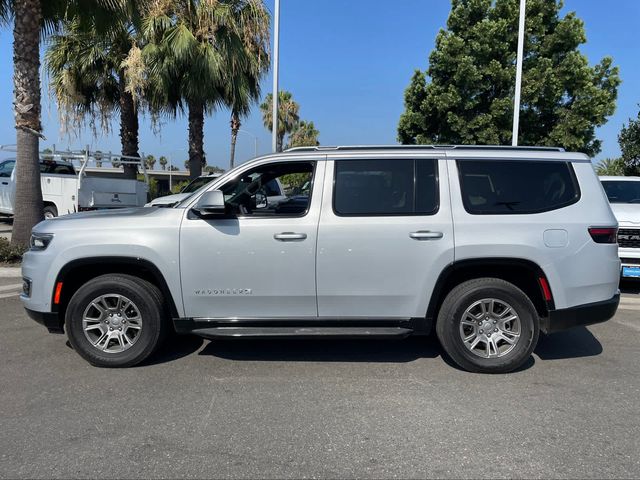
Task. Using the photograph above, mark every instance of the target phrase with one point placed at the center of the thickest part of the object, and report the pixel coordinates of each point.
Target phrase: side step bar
(302, 332)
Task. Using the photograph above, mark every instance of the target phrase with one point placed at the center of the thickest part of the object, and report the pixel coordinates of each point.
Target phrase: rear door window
(516, 186)
(385, 187)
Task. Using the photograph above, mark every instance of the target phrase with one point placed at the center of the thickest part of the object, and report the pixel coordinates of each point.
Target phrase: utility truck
(65, 190)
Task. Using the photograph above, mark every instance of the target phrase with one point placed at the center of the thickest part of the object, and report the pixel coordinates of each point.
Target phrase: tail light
(604, 234)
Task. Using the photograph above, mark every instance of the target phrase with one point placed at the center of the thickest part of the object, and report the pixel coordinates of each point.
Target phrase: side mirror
(210, 204)
(260, 200)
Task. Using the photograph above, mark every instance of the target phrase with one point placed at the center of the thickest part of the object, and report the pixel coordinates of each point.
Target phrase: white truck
(624, 196)
(66, 191)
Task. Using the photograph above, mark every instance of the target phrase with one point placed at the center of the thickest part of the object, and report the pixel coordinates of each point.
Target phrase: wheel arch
(77, 272)
(51, 203)
(523, 273)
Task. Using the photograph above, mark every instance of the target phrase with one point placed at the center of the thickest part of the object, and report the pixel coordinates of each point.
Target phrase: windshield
(196, 184)
(622, 191)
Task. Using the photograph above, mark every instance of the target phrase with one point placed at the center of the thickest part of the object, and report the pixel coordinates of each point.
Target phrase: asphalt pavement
(323, 408)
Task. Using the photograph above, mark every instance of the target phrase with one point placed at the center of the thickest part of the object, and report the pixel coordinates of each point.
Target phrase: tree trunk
(279, 142)
(27, 204)
(128, 128)
(235, 127)
(196, 139)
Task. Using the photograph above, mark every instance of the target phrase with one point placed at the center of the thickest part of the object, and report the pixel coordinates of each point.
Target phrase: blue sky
(347, 64)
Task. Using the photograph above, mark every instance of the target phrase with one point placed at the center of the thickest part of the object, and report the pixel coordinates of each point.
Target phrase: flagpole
(516, 99)
(276, 47)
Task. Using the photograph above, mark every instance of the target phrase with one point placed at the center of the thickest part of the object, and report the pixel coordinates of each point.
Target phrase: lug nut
(481, 331)
(496, 330)
(110, 328)
(119, 328)
(495, 321)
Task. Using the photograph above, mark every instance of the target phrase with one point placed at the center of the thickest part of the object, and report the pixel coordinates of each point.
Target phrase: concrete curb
(10, 272)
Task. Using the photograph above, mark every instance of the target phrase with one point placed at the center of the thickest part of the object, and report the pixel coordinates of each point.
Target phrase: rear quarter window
(53, 167)
(503, 187)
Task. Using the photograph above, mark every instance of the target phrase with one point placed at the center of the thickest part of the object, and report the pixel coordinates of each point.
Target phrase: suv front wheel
(488, 325)
(116, 320)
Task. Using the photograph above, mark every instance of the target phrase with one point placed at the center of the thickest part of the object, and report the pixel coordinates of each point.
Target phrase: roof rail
(421, 147)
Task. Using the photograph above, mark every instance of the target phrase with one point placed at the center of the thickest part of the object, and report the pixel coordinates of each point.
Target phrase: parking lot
(321, 408)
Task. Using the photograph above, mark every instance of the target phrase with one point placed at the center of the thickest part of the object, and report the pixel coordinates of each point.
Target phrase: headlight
(40, 241)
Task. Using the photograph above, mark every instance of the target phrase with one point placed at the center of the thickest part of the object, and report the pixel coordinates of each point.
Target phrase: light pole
(516, 98)
(276, 47)
(171, 164)
(255, 141)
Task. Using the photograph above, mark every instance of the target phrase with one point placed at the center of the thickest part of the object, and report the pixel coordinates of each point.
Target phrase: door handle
(289, 236)
(426, 235)
(5, 183)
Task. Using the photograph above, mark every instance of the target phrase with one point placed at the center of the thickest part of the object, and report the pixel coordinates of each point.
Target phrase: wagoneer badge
(223, 291)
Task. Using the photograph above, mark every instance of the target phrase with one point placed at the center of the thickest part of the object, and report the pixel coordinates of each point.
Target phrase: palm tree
(610, 166)
(287, 115)
(31, 17)
(91, 78)
(304, 134)
(244, 88)
(150, 161)
(196, 48)
(163, 162)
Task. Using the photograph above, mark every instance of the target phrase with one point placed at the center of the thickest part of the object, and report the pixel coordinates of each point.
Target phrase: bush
(179, 186)
(10, 253)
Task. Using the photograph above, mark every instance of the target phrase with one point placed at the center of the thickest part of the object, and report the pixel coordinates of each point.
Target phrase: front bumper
(580, 315)
(51, 320)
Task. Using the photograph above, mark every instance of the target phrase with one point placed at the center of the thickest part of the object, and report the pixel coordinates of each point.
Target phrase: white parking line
(8, 291)
(5, 288)
(9, 295)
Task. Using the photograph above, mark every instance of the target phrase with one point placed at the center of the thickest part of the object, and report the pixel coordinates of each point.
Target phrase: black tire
(50, 210)
(464, 296)
(148, 300)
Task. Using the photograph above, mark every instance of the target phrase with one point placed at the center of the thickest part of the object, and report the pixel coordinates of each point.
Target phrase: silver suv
(486, 245)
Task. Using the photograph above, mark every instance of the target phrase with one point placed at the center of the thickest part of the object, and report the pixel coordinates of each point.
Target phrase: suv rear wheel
(488, 325)
(116, 320)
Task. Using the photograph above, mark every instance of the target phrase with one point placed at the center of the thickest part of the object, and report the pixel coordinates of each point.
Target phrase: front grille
(629, 237)
(630, 261)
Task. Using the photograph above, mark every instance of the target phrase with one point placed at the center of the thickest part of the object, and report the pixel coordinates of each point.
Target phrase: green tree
(195, 48)
(466, 95)
(629, 141)
(163, 162)
(288, 116)
(31, 18)
(150, 161)
(610, 166)
(92, 76)
(47, 154)
(304, 134)
(243, 89)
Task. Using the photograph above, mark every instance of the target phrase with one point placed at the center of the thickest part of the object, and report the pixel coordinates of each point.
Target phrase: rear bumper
(580, 315)
(48, 319)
